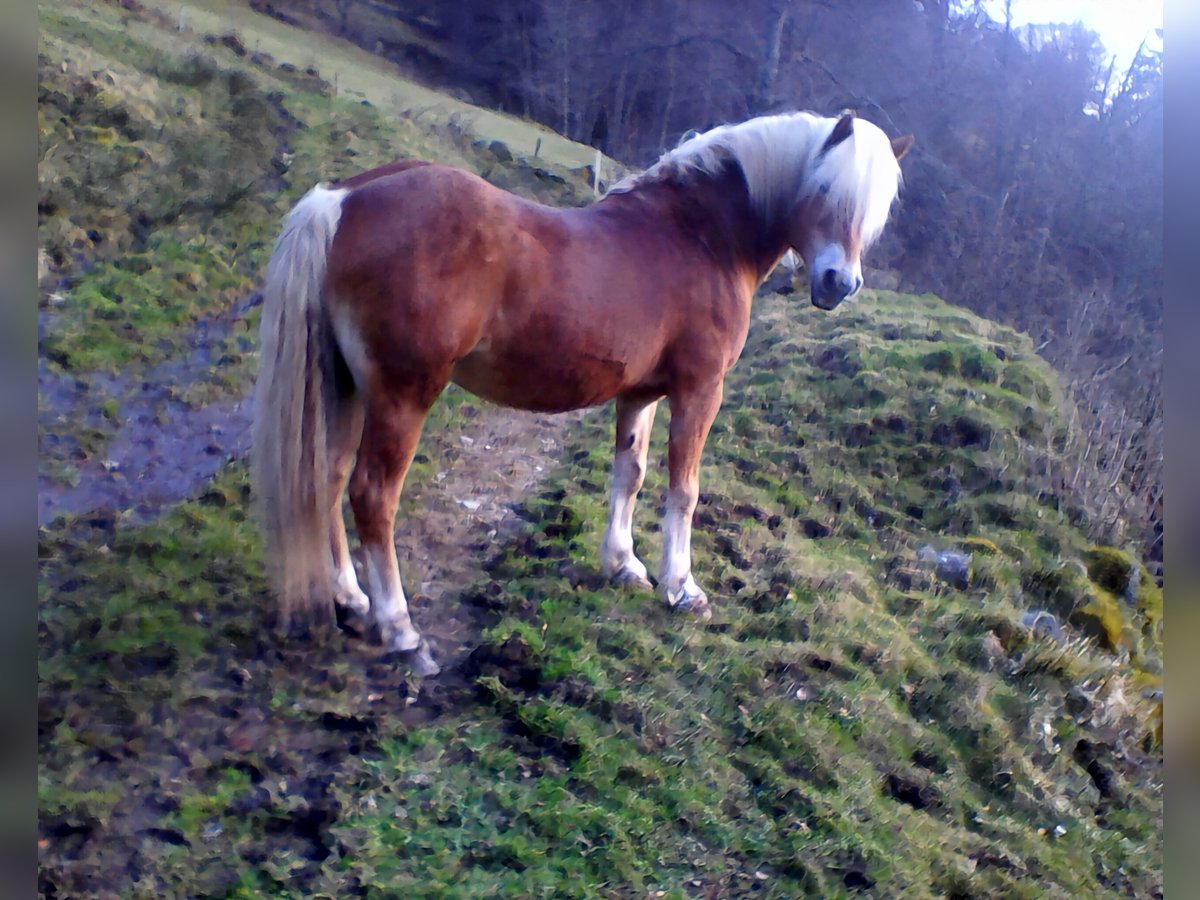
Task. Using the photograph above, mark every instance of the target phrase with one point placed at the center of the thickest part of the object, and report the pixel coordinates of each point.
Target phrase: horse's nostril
(830, 279)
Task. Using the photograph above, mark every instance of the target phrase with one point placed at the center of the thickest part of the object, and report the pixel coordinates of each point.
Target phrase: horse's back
(429, 261)
(523, 304)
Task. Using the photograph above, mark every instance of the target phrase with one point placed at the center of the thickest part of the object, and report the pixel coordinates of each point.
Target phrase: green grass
(165, 168)
(836, 730)
(164, 174)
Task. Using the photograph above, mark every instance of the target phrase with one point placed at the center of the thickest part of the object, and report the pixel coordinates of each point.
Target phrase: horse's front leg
(617, 560)
(692, 414)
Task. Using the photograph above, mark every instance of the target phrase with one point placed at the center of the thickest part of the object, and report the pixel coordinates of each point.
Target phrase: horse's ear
(902, 145)
(842, 130)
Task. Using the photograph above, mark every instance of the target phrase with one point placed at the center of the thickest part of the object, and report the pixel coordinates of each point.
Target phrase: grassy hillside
(167, 161)
(154, 150)
(850, 723)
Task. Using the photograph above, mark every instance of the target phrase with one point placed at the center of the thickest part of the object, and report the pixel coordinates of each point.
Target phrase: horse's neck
(713, 211)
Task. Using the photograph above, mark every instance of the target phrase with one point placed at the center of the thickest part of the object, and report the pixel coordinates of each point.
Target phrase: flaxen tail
(293, 402)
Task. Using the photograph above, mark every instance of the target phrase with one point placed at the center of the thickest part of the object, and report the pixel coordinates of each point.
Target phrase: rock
(952, 568)
(500, 150)
(1041, 622)
(1115, 571)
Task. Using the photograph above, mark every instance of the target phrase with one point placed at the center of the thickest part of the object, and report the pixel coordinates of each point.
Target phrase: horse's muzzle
(833, 287)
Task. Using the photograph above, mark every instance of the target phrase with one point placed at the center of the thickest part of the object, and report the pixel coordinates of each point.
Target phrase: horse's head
(843, 205)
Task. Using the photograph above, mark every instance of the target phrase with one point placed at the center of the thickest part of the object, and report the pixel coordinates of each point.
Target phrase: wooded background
(1034, 194)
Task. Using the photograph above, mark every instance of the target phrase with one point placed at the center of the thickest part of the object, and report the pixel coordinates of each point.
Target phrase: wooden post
(596, 177)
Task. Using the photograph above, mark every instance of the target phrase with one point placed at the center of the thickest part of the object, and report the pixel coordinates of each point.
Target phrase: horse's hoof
(354, 602)
(351, 622)
(632, 580)
(695, 603)
(397, 639)
(421, 660)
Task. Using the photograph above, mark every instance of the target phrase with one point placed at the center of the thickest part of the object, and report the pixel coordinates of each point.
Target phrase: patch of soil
(467, 510)
(298, 719)
(221, 719)
(166, 449)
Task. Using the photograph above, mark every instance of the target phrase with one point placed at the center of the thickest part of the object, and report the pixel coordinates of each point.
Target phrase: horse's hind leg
(617, 560)
(345, 433)
(390, 434)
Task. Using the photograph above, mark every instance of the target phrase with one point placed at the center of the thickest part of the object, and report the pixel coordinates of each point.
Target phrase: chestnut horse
(386, 287)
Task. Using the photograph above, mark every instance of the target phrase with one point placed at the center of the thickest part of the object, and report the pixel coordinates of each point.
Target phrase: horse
(385, 287)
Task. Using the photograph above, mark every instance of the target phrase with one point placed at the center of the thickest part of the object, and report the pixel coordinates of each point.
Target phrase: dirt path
(130, 444)
(166, 449)
(467, 510)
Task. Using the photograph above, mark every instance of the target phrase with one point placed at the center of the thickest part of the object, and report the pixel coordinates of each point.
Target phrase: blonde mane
(783, 163)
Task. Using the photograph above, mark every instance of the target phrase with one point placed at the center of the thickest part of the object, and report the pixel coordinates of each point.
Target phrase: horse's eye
(824, 189)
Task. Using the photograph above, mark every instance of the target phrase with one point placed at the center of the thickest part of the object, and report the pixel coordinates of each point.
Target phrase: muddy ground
(167, 450)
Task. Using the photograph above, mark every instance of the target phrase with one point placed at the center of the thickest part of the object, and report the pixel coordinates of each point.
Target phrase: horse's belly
(541, 380)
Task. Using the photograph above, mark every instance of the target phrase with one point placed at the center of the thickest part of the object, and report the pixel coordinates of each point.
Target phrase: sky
(1121, 24)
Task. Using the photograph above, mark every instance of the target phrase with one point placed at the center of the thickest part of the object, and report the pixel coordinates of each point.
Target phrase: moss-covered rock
(1111, 569)
(1127, 581)
(1104, 617)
